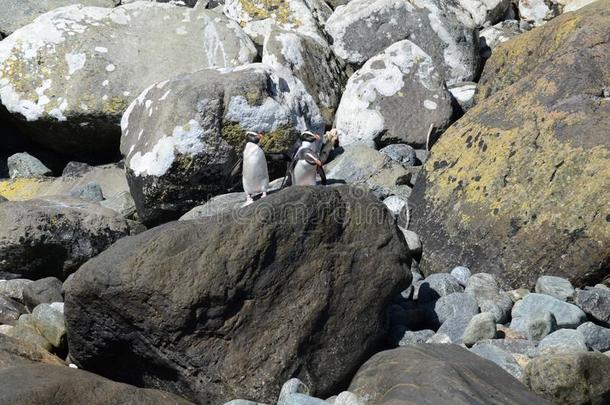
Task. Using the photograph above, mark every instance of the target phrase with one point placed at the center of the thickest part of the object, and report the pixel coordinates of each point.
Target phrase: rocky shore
(457, 253)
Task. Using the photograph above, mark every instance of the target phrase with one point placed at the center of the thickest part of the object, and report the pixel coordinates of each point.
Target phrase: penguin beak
(318, 163)
(260, 136)
(317, 137)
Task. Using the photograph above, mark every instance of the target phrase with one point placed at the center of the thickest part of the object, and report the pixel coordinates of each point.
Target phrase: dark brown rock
(436, 374)
(44, 384)
(232, 306)
(518, 186)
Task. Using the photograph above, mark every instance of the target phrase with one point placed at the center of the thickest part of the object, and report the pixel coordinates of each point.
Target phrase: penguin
(307, 139)
(255, 176)
(304, 167)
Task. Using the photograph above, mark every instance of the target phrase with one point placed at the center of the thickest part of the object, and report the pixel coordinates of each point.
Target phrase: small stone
(440, 338)
(485, 289)
(596, 337)
(13, 288)
(437, 285)
(122, 203)
(4, 329)
(292, 386)
(401, 153)
(518, 346)
(411, 337)
(23, 165)
(302, 399)
(461, 274)
(91, 191)
(394, 204)
(481, 326)
(463, 94)
(518, 294)
(24, 330)
(348, 398)
(540, 325)
(10, 310)
(557, 287)
(499, 356)
(595, 302)
(454, 304)
(50, 323)
(563, 341)
(45, 290)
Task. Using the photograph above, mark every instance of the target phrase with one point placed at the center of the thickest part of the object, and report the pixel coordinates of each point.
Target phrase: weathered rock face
(181, 137)
(18, 13)
(15, 352)
(431, 373)
(53, 236)
(311, 62)
(364, 28)
(70, 75)
(260, 17)
(199, 307)
(479, 13)
(517, 186)
(40, 384)
(394, 98)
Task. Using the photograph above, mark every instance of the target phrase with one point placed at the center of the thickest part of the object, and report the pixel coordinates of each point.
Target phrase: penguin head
(253, 137)
(308, 136)
(311, 157)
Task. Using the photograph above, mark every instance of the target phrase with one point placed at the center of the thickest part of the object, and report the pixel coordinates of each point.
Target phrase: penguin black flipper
(322, 175)
(234, 177)
(287, 182)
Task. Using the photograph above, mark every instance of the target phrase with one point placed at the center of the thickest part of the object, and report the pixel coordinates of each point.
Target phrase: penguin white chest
(255, 176)
(304, 174)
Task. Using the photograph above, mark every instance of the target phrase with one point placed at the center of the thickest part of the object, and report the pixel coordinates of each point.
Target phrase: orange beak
(261, 135)
(318, 163)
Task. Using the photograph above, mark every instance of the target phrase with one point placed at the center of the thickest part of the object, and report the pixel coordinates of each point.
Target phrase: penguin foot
(264, 195)
(249, 201)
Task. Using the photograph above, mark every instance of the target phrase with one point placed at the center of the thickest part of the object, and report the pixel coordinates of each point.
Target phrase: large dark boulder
(44, 384)
(232, 306)
(437, 374)
(518, 186)
(53, 236)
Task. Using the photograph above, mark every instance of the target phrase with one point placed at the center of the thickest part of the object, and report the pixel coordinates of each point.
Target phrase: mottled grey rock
(439, 338)
(420, 336)
(302, 399)
(23, 165)
(10, 310)
(361, 165)
(394, 98)
(567, 315)
(348, 398)
(49, 322)
(454, 304)
(15, 14)
(595, 302)
(515, 346)
(401, 153)
(25, 330)
(596, 337)
(13, 288)
(437, 285)
(499, 356)
(53, 236)
(45, 290)
(91, 62)
(538, 12)
(562, 341)
(540, 324)
(292, 386)
(481, 326)
(182, 137)
(576, 378)
(518, 294)
(91, 192)
(242, 402)
(309, 63)
(461, 274)
(480, 13)
(363, 28)
(395, 204)
(455, 326)
(122, 203)
(557, 287)
(491, 37)
(413, 242)
(485, 289)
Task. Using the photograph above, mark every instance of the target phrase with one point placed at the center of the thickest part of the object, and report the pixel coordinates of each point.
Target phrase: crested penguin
(304, 167)
(307, 139)
(255, 177)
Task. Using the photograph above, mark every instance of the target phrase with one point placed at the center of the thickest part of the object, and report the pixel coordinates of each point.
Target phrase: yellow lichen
(279, 10)
(21, 189)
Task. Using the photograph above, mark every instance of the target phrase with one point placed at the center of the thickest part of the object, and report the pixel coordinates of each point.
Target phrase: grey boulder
(595, 302)
(557, 287)
(461, 274)
(454, 304)
(566, 315)
(72, 84)
(24, 165)
(539, 325)
(216, 206)
(480, 327)
(10, 310)
(13, 288)
(91, 192)
(181, 137)
(364, 28)
(499, 356)
(50, 323)
(596, 337)
(394, 98)
(563, 341)
(45, 290)
(454, 327)
(436, 286)
(401, 153)
(53, 236)
(490, 297)
(411, 337)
